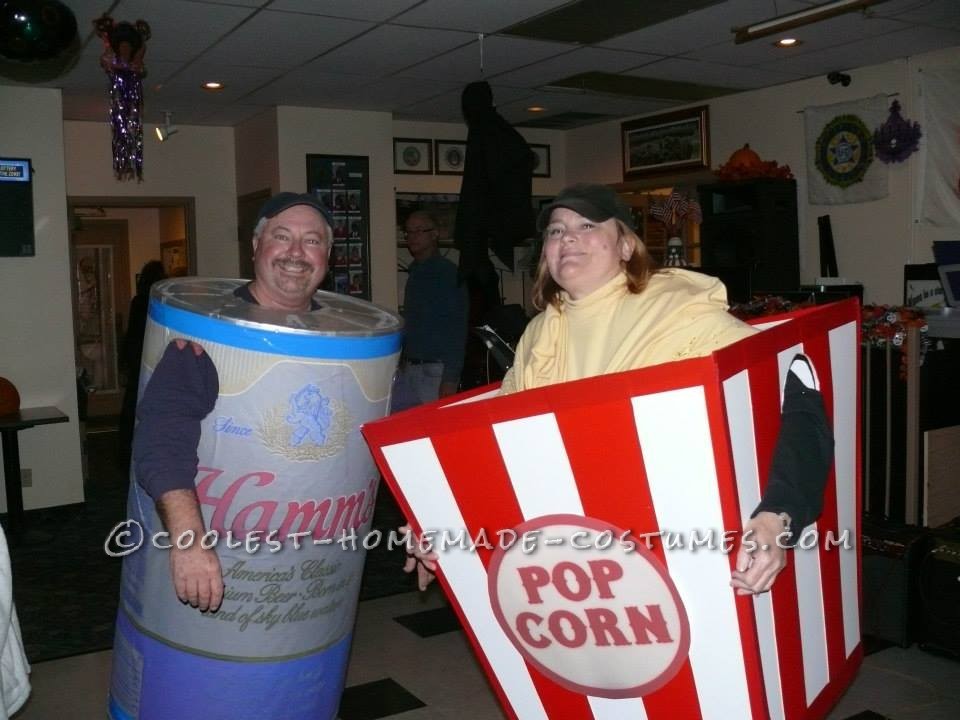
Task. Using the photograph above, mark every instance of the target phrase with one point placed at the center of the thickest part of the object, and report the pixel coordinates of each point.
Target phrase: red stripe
(765, 392)
(486, 500)
(601, 449)
(818, 350)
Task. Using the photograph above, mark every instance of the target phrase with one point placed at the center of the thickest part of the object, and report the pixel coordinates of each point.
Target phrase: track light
(168, 128)
(798, 19)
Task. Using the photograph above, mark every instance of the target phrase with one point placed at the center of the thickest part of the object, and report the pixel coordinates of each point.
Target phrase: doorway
(111, 240)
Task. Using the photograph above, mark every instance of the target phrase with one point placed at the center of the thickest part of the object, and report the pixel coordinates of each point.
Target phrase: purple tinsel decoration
(897, 139)
(126, 106)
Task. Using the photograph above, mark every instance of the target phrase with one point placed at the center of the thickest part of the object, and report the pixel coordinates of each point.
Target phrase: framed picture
(173, 255)
(669, 142)
(412, 156)
(450, 156)
(541, 167)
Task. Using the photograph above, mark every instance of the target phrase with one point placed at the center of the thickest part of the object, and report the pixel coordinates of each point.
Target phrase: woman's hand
(420, 556)
(760, 560)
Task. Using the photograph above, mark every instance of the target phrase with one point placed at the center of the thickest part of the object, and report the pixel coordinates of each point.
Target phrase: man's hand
(448, 387)
(420, 557)
(197, 577)
(759, 564)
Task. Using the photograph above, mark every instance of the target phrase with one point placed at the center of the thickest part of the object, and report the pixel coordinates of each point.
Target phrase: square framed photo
(668, 142)
(450, 156)
(541, 166)
(412, 156)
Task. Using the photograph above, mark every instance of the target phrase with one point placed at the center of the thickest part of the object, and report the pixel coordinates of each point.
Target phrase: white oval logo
(590, 607)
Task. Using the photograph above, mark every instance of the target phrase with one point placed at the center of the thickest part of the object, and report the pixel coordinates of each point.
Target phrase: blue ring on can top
(260, 339)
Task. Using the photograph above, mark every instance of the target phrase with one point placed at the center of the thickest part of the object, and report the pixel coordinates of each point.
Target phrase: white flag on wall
(939, 186)
(841, 164)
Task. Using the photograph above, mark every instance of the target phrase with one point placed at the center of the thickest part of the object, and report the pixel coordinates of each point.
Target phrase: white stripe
(421, 479)
(675, 439)
(736, 393)
(813, 624)
(536, 460)
(784, 360)
(843, 367)
(610, 709)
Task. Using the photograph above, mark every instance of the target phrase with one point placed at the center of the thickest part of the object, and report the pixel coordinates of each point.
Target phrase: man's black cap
(595, 202)
(282, 201)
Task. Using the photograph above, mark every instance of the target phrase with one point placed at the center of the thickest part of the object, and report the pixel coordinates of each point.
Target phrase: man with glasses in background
(435, 314)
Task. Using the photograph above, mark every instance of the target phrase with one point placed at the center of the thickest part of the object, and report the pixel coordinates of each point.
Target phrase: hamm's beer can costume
(569, 611)
(280, 452)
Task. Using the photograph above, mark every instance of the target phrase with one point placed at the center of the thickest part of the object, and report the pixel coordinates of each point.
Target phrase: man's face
(290, 258)
(421, 235)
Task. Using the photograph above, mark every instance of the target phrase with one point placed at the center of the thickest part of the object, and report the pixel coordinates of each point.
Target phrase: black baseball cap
(282, 201)
(595, 202)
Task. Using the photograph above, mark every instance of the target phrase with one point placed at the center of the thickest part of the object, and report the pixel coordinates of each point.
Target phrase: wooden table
(10, 425)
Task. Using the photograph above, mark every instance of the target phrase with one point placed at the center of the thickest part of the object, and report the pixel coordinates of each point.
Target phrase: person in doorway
(152, 272)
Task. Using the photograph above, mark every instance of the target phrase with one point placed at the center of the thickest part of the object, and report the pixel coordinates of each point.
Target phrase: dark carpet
(66, 587)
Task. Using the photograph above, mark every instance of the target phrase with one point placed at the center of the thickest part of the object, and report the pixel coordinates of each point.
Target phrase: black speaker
(939, 592)
(891, 556)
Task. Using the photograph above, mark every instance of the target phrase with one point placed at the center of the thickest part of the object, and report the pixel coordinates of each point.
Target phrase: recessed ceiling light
(536, 108)
(213, 85)
(787, 42)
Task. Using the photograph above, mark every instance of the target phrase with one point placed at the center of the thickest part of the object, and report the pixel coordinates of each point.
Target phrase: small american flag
(680, 446)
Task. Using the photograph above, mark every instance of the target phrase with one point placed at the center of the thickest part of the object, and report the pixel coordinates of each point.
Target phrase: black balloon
(33, 30)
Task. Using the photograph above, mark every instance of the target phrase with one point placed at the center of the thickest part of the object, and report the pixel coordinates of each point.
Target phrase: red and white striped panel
(678, 447)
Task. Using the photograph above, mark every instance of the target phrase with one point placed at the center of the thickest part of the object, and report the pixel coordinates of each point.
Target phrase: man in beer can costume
(252, 490)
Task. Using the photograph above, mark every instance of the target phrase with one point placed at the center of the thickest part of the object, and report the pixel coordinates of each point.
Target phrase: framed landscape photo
(450, 156)
(669, 142)
(412, 156)
(541, 167)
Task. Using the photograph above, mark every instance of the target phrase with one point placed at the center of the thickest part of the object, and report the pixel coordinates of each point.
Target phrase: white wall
(143, 237)
(256, 148)
(515, 286)
(197, 162)
(303, 131)
(874, 239)
(36, 316)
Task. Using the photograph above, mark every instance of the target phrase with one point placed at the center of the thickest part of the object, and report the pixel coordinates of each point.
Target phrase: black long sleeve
(801, 459)
(179, 395)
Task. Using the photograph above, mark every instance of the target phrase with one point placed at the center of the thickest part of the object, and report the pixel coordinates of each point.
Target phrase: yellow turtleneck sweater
(680, 314)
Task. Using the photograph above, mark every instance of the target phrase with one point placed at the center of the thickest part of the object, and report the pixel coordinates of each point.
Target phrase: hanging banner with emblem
(841, 164)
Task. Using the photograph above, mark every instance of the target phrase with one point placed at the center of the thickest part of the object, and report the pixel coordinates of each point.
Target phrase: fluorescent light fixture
(168, 127)
(800, 18)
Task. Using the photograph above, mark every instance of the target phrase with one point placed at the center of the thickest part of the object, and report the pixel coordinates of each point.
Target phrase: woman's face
(583, 255)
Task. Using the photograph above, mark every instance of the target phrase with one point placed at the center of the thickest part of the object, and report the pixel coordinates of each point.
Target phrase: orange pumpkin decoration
(9, 397)
(744, 158)
(746, 163)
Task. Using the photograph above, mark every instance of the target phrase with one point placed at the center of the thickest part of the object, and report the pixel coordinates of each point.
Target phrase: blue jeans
(416, 384)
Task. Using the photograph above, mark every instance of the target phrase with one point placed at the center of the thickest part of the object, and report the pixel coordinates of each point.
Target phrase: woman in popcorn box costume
(249, 464)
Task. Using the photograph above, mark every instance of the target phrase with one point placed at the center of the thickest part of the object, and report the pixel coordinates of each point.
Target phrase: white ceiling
(412, 57)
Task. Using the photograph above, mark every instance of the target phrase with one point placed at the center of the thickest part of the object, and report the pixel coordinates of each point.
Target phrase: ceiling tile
(576, 61)
(474, 15)
(182, 30)
(373, 10)
(273, 39)
(709, 73)
(390, 48)
(500, 54)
